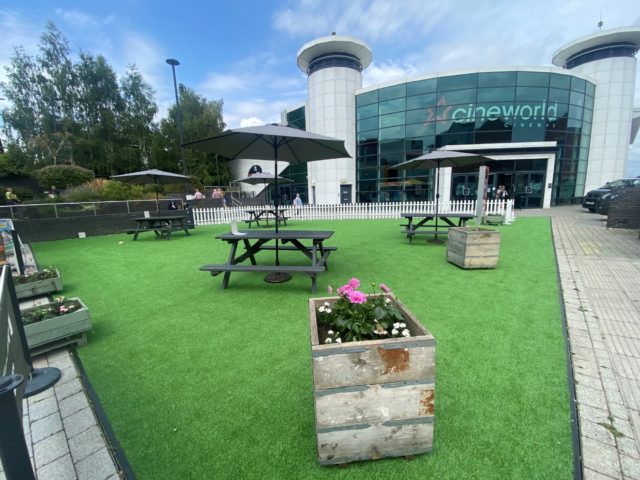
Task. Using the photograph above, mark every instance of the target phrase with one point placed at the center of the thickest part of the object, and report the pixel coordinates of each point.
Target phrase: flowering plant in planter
(44, 274)
(60, 306)
(356, 316)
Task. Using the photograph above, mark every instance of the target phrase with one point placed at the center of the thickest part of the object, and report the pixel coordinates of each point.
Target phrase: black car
(602, 205)
(591, 198)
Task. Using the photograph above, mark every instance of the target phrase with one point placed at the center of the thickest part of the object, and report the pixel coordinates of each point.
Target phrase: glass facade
(296, 173)
(404, 121)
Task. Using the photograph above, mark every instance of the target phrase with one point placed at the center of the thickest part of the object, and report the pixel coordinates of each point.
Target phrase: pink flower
(330, 289)
(384, 288)
(345, 289)
(354, 283)
(356, 296)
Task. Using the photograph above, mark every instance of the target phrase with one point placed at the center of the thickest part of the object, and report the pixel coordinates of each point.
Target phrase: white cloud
(251, 122)
(386, 71)
(17, 31)
(77, 18)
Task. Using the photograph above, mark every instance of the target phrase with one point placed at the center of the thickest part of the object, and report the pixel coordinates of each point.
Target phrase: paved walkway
(600, 278)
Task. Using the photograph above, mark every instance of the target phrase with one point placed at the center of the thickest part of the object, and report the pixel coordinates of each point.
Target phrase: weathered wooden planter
(376, 398)
(59, 331)
(473, 247)
(39, 287)
(494, 219)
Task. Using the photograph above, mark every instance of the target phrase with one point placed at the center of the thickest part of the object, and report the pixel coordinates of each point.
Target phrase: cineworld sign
(532, 113)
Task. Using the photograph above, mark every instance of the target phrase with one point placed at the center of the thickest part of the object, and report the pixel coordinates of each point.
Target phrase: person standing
(198, 195)
(12, 198)
(297, 203)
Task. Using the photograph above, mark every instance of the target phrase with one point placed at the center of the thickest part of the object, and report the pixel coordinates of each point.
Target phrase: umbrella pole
(155, 182)
(437, 198)
(277, 277)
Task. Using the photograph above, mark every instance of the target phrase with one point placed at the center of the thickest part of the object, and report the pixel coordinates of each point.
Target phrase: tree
(62, 176)
(201, 118)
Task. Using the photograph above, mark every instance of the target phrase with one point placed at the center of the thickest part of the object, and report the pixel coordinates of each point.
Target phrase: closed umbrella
(273, 142)
(153, 176)
(442, 158)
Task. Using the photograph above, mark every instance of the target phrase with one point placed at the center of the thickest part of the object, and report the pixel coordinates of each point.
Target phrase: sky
(244, 52)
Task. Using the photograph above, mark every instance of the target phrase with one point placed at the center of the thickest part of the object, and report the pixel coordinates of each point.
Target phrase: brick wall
(624, 211)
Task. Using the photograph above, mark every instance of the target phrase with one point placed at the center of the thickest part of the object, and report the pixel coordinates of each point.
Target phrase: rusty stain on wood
(427, 401)
(395, 360)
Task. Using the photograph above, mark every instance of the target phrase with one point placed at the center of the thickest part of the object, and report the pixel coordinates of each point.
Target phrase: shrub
(63, 176)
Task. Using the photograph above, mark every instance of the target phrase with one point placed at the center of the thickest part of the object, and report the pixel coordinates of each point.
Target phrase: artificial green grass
(204, 383)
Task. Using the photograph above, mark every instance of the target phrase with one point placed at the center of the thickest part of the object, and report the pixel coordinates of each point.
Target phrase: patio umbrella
(265, 179)
(273, 142)
(153, 176)
(442, 158)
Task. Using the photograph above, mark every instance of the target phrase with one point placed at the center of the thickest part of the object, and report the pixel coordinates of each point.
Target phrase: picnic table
(420, 227)
(161, 225)
(265, 215)
(255, 241)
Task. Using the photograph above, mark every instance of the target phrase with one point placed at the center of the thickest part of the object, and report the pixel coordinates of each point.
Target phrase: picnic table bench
(161, 225)
(256, 241)
(422, 228)
(265, 215)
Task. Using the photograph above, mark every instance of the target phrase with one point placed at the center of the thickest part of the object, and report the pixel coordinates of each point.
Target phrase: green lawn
(203, 383)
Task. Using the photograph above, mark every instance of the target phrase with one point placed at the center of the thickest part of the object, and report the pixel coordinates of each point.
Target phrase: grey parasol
(442, 158)
(156, 177)
(265, 179)
(272, 142)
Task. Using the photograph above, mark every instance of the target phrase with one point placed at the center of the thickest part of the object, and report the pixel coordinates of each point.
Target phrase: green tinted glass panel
(389, 93)
(367, 98)
(457, 82)
(496, 79)
(578, 84)
(558, 95)
(392, 120)
(560, 81)
(368, 185)
(367, 111)
(533, 79)
(369, 136)
(532, 93)
(367, 124)
(575, 112)
(368, 161)
(588, 102)
(367, 149)
(420, 145)
(576, 98)
(527, 135)
(393, 146)
(420, 129)
(391, 158)
(421, 86)
(586, 128)
(574, 125)
(421, 101)
(391, 106)
(368, 174)
(591, 89)
(498, 94)
(416, 116)
(391, 133)
(456, 97)
(443, 127)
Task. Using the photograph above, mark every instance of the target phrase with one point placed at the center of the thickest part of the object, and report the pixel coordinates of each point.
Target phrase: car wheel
(592, 210)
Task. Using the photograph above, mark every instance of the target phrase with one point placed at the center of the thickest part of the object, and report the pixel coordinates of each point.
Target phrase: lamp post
(185, 168)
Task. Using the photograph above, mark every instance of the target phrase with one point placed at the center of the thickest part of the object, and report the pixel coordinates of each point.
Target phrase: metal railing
(355, 211)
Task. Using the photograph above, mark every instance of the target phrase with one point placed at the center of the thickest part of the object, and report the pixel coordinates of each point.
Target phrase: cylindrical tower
(607, 57)
(334, 65)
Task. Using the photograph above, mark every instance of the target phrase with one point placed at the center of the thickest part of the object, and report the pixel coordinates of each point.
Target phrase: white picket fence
(354, 211)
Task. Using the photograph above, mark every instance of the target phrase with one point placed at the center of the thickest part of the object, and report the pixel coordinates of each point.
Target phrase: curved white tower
(607, 57)
(334, 65)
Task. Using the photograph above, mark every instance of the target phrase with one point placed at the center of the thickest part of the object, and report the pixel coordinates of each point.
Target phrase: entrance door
(345, 193)
(464, 187)
(528, 189)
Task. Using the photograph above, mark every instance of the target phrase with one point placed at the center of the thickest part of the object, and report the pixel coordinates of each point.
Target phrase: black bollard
(13, 449)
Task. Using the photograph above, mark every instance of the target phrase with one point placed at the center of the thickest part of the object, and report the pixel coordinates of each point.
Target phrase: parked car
(590, 200)
(602, 204)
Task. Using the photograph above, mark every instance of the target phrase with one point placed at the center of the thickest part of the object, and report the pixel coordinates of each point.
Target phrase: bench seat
(312, 271)
(291, 247)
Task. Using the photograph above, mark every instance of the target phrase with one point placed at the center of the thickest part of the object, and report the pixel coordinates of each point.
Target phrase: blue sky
(244, 52)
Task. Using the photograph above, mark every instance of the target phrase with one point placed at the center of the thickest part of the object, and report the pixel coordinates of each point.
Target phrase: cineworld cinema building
(554, 132)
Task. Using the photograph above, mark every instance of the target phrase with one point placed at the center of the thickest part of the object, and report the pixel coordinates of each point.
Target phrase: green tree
(62, 176)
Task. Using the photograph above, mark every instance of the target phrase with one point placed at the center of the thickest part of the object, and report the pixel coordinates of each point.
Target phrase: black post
(185, 168)
(13, 448)
(17, 251)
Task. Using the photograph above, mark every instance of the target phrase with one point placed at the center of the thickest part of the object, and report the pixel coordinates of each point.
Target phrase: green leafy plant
(44, 274)
(356, 316)
(60, 306)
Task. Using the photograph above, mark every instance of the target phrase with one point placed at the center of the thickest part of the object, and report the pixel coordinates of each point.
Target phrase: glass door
(528, 189)
(464, 187)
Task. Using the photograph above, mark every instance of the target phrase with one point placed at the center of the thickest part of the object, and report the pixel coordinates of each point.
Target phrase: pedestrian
(297, 202)
(198, 195)
(12, 198)
(172, 205)
(53, 192)
(501, 193)
(224, 199)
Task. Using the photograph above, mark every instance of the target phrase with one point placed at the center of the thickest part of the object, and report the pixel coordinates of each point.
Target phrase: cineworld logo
(510, 113)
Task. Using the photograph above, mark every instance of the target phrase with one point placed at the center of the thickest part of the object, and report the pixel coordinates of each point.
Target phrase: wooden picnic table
(420, 227)
(267, 214)
(161, 225)
(255, 241)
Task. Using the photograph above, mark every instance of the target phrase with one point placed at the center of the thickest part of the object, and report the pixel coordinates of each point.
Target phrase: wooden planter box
(473, 247)
(376, 398)
(39, 287)
(494, 219)
(58, 331)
